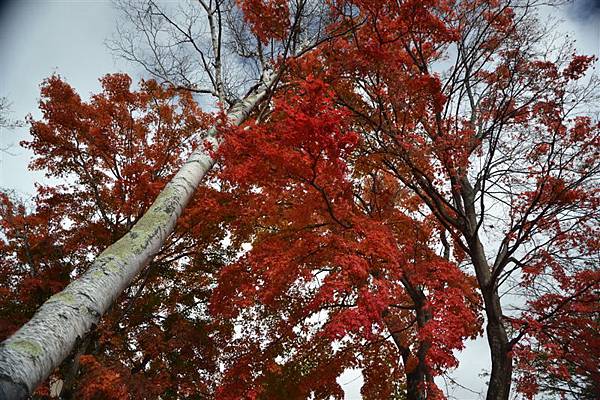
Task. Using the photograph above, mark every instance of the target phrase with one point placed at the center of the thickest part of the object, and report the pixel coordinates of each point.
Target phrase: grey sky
(39, 38)
(42, 37)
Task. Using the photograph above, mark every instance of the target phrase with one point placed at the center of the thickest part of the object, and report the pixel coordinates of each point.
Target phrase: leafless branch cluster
(206, 46)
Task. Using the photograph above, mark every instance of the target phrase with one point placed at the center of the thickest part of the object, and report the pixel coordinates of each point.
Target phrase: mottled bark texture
(32, 353)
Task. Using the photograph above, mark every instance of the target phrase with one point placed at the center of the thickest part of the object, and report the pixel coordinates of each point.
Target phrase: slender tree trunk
(32, 353)
(501, 374)
(72, 370)
(419, 377)
(415, 377)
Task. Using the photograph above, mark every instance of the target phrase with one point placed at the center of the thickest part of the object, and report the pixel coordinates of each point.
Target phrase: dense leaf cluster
(377, 212)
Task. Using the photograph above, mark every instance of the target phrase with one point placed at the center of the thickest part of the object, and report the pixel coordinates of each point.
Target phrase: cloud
(584, 10)
(37, 39)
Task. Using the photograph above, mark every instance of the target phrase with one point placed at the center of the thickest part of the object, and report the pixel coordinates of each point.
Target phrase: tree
(495, 147)
(30, 354)
(337, 268)
(114, 154)
(371, 182)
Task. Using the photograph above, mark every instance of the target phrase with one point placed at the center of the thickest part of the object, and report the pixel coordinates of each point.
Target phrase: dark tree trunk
(419, 377)
(415, 384)
(72, 368)
(501, 374)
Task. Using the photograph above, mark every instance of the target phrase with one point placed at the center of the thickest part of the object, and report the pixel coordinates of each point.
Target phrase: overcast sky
(41, 37)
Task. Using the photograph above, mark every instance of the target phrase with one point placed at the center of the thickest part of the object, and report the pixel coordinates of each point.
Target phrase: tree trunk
(501, 375)
(415, 377)
(39, 346)
(418, 378)
(72, 369)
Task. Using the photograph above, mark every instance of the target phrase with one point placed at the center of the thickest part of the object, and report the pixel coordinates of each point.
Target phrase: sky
(39, 38)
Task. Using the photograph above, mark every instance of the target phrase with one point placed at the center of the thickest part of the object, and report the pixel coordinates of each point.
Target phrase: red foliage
(269, 19)
(342, 230)
(112, 155)
(364, 271)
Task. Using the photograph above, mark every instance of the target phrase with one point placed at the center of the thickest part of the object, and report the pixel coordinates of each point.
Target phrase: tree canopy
(392, 179)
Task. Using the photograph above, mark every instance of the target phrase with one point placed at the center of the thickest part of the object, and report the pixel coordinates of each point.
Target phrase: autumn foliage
(380, 211)
(113, 154)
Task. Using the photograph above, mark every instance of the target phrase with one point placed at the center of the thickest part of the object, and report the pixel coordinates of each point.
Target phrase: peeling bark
(39, 346)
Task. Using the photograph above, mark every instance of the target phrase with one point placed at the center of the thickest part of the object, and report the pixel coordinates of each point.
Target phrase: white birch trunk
(39, 346)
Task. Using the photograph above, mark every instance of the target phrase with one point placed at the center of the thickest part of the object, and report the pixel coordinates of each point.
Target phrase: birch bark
(39, 346)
